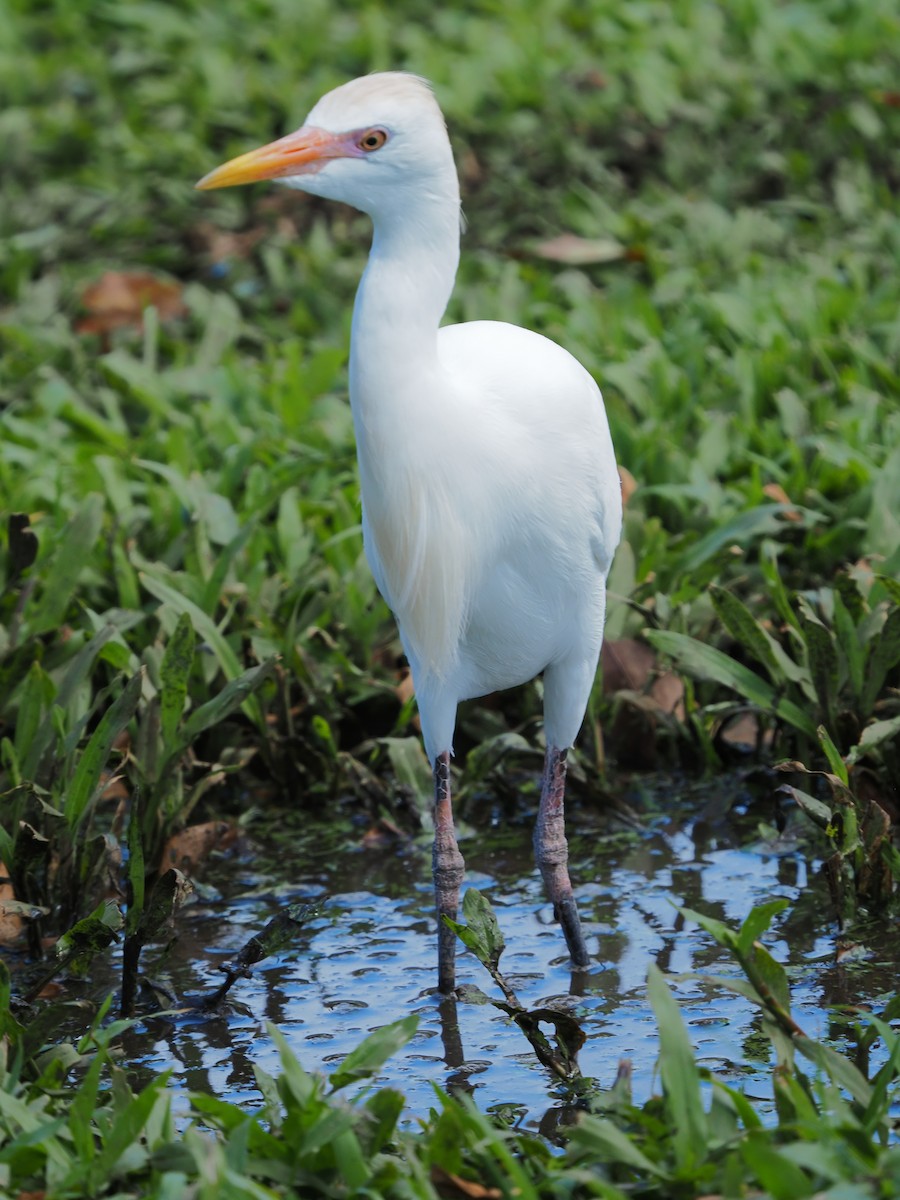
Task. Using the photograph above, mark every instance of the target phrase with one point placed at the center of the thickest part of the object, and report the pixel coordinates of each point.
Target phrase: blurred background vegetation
(698, 199)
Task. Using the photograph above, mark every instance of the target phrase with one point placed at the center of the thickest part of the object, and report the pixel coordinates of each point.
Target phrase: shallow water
(370, 957)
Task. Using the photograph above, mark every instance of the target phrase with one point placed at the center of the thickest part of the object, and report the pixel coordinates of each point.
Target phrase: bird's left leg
(552, 853)
(449, 868)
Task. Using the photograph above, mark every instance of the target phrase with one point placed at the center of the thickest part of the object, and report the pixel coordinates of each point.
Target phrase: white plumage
(491, 500)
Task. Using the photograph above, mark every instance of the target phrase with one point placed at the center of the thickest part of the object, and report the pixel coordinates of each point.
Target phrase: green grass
(184, 597)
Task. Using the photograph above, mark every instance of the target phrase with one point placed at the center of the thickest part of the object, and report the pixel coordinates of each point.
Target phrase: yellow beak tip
(207, 183)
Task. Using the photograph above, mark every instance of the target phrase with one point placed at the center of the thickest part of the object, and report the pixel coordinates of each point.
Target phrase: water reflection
(370, 959)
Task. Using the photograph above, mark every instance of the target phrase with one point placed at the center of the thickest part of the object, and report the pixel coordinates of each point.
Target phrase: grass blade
(678, 1070)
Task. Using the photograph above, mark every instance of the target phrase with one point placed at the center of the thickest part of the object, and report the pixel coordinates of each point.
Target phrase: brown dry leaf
(629, 484)
(668, 692)
(187, 849)
(634, 731)
(453, 1186)
(627, 663)
(575, 251)
(118, 300)
(115, 788)
(11, 926)
(404, 692)
(777, 493)
(594, 78)
(742, 731)
(51, 991)
(382, 834)
(222, 244)
(11, 923)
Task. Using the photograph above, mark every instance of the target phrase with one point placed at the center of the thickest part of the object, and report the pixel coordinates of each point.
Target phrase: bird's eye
(372, 139)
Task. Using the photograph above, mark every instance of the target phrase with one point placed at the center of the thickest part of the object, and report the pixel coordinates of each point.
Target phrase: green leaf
(679, 1074)
(38, 761)
(384, 1110)
(413, 770)
(745, 629)
(232, 696)
(279, 933)
(93, 759)
(36, 697)
(482, 935)
(598, 1139)
(757, 922)
(296, 1086)
(174, 672)
(61, 572)
(781, 1178)
(837, 1067)
(209, 632)
(89, 937)
(768, 562)
(816, 810)
(770, 980)
(706, 662)
(212, 589)
(716, 929)
(884, 654)
(769, 973)
(823, 664)
(143, 384)
(350, 1159)
(849, 643)
(874, 735)
(837, 764)
(753, 523)
(371, 1054)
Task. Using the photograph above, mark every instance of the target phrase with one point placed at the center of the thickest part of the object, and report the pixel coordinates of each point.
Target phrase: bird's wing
(542, 456)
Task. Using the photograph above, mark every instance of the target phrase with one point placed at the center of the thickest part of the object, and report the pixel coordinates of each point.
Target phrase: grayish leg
(449, 869)
(552, 854)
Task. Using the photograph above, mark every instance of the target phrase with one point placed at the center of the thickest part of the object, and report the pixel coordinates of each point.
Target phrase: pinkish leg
(449, 869)
(552, 854)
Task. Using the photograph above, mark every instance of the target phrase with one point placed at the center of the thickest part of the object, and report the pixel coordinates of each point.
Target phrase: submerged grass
(184, 597)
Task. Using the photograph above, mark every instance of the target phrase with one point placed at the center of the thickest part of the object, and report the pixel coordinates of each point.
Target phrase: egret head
(366, 143)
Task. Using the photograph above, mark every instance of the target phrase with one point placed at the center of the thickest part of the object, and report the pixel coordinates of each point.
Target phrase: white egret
(490, 496)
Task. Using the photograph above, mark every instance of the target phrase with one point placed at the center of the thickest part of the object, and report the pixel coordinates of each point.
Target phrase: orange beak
(301, 153)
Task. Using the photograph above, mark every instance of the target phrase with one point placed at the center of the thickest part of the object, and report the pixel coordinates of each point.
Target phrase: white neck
(399, 305)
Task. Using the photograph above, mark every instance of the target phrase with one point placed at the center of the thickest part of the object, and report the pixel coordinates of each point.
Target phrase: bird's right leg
(449, 869)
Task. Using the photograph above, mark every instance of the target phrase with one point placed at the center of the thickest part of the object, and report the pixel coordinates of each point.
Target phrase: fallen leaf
(187, 849)
(743, 730)
(382, 834)
(668, 692)
(405, 692)
(627, 663)
(118, 299)
(577, 251)
(114, 787)
(223, 244)
(777, 493)
(628, 483)
(51, 991)
(452, 1185)
(593, 78)
(11, 922)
